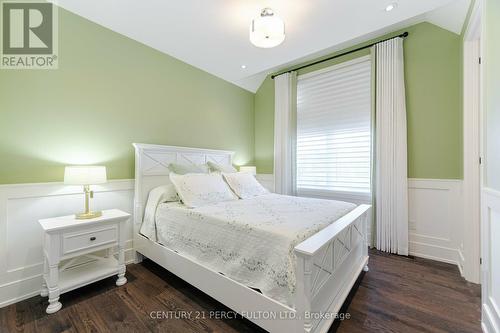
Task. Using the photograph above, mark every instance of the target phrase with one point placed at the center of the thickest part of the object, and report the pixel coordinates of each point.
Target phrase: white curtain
(391, 182)
(285, 133)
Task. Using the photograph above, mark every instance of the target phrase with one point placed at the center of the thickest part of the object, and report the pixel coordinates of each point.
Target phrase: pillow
(163, 193)
(196, 189)
(244, 184)
(182, 169)
(215, 167)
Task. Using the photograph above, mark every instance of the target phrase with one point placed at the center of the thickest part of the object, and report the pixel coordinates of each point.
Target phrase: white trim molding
(490, 268)
(22, 205)
(472, 144)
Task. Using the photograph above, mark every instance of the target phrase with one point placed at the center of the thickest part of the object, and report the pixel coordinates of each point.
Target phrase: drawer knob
(92, 238)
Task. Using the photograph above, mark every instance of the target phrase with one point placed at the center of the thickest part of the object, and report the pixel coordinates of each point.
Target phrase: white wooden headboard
(151, 168)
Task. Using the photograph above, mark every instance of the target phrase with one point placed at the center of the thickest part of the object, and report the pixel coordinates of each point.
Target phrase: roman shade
(334, 130)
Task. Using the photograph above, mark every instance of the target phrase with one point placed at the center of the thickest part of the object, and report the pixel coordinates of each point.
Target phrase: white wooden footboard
(328, 264)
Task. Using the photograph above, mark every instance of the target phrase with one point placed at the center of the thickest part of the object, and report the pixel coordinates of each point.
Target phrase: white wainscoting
(267, 180)
(435, 224)
(22, 205)
(436, 219)
(490, 236)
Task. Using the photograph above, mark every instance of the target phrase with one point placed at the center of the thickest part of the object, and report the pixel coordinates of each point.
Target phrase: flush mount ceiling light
(267, 30)
(391, 7)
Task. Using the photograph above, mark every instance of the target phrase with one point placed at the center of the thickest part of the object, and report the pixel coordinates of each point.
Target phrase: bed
(314, 263)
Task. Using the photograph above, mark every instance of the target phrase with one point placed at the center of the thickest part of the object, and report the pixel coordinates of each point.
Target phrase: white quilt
(250, 241)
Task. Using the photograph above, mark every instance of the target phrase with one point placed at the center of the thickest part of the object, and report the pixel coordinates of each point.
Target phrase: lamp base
(89, 215)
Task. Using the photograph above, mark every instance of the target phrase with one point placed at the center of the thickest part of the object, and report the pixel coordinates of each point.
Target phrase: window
(334, 130)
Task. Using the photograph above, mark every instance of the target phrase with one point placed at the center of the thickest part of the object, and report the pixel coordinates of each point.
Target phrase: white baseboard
(490, 322)
(22, 205)
(434, 252)
(30, 286)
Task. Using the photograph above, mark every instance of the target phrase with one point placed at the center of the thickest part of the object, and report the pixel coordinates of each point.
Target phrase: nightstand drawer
(88, 239)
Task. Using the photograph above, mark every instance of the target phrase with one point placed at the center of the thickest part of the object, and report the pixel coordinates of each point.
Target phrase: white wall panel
(266, 180)
(436, 219)
(490, 236)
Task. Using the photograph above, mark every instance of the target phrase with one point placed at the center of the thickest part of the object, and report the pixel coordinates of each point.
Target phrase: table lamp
(86, 176)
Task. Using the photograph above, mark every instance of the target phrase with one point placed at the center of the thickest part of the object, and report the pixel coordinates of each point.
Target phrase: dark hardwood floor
(398, 294)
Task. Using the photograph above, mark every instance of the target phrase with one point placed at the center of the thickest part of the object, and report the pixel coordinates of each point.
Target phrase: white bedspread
(251, 240)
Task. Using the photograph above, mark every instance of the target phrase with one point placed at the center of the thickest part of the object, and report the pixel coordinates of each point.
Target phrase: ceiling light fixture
(243, 66)
(391, 7)
(267, 30)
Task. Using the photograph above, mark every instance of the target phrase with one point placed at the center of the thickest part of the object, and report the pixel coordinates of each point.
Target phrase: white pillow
(244, 184)
(182, 169)
(216, 167)
(196, 189)
(163, 193)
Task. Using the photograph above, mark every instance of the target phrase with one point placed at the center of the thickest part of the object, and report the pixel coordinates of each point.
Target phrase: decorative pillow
(196, 189)
(182, 169)
(215, 167)
(163, 193)
(244, 184)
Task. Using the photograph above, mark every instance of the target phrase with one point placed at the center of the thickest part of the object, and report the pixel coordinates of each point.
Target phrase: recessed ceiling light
(391, 7)
(243, 66)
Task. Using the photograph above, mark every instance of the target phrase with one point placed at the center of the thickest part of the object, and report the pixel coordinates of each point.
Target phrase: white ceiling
(213, 34)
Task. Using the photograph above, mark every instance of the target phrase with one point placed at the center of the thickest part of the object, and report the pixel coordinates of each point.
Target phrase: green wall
(108, 92)
(433, 97)
(492, 92)
(264, 126)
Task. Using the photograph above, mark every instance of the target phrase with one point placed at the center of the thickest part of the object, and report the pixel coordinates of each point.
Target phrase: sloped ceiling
(213, 35)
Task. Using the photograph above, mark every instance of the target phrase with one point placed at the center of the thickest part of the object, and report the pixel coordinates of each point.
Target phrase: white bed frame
(328, 263)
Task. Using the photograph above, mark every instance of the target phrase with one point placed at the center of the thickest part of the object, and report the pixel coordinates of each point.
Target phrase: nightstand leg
(121, 266)
(54, 304)
(45, 291)
(109, 253)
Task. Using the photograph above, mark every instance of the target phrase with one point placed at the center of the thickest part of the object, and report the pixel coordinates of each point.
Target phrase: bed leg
(366, 268)
(138, 257)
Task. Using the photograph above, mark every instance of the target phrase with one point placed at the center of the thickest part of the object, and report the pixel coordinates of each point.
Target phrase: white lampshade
(267, 30)
(249, 169)
(84, 175)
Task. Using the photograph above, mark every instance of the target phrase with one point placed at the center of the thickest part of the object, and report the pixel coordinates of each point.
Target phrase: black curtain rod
(403, 35)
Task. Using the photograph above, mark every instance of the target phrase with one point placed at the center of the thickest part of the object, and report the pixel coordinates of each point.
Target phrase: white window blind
(334, 130)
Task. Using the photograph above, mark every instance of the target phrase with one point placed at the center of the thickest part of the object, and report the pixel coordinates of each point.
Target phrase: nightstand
(78, 252)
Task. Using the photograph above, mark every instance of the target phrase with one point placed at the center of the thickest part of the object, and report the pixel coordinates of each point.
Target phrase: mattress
(250, 241)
